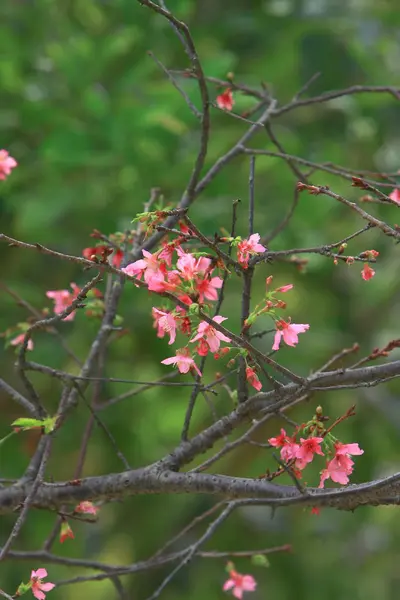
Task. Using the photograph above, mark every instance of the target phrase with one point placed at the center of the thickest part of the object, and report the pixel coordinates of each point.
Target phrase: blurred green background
(94, 124)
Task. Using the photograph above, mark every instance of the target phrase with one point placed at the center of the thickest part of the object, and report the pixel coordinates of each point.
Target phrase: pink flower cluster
(302, 453)
(192, 279)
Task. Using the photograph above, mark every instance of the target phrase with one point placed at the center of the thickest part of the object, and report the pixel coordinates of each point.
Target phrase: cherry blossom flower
(168, 251)
(151, 267)
(307, 448)
(348, 449)
(7, 163)
(183, 361)
(341, 466)
(367, 273)
(207, 287)
(247, 248)
(165, 322)
(19, 340)
(225, 100)
(239, 583)
(63, 299)
(252, 378)
(287, 444)
(338, 469)
(87, 508)
(190, 266)
(37, 586)
(66, 532)
(289, 332)
(210, 335)
(395, 196)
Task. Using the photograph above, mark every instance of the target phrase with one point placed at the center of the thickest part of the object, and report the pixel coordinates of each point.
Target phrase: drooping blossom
(225, 100)
(287, 444)
(7, 163)
(252, 378)
(37, 586)
(165, 322)
(395, 196)
(239, 583)
(247, 248)
(210, 335)
(65, 532)
(63, 299)
(19, 340)
(338, 469)
(348, 449)
(367, 273)
(341, 466)
(306, 450)
(289, 332)
(183, 361)
(87, 507)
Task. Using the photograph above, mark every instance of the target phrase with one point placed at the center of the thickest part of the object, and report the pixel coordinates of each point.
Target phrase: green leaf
(26, 423)
(260, 560)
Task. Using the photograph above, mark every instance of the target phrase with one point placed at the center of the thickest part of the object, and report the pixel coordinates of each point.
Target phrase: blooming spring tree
(187, 275)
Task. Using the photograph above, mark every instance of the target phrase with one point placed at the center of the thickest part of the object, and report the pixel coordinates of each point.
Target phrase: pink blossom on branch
(338, 469)
(165, 322)
(395, 196)
(7, 163)
(225, 100)
(367, 272)
(210, 335)
(153, 269)
(252, 378)
(37, 586)
(183, 361)
(289, 332)
(247, 248)
(239, 583)
(207, 287)
(341, 466)
(63, 299)
(288, 446)
(348, 449)
(190, 266)
(86, 507)
(19, 340)
(306, 450)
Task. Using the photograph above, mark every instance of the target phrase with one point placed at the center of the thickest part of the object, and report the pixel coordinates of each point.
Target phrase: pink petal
(228, 585)
(277, 340)
(41, 573)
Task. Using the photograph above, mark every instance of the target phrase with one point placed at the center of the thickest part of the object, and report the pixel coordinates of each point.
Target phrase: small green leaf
(26, 424)
(260, 560)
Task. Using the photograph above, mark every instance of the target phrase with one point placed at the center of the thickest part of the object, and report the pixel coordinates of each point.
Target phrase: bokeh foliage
(95, 124)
